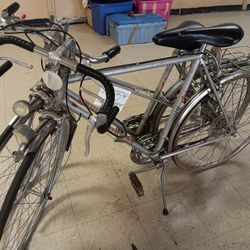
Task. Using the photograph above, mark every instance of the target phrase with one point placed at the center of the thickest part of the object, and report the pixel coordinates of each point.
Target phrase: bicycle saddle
(191, 35)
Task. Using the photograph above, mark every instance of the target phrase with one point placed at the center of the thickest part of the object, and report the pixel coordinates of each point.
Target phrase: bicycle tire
(30, 190)
(203, 122)
(161, 112)
(5, 171)
(11, 153)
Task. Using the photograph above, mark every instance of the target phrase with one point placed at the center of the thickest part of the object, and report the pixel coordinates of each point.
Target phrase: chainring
(132, 123)
(149, 142)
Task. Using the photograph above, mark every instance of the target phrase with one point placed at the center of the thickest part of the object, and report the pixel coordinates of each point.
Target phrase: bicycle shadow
(202, 188)
(92, 209)
(194, 187)
(82, 168)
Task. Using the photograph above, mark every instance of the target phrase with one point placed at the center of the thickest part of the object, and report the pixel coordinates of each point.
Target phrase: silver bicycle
(201, 121)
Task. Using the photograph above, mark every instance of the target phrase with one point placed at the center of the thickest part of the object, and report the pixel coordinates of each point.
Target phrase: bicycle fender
(185, 110)
(46, 129)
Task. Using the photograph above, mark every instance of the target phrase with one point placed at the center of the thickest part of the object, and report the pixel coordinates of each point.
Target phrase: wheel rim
(31, 197)
(12, 153)
(201, 126)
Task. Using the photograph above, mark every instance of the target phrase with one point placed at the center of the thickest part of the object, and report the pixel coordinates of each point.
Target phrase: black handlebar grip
(11, 9)
(107, 107)
(38, 22)
(112, 52)
(108, 87)
(110, 118)
(17, 41)
(5, 67)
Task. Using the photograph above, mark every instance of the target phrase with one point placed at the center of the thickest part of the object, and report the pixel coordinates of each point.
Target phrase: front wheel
(205, 122)
(12, 148)
(30, 189)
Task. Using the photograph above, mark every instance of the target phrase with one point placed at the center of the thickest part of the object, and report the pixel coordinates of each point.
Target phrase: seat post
(203, 48)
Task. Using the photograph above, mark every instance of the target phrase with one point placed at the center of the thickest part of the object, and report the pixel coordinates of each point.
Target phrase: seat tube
(203, 48)
(179, 103)
(152, 103)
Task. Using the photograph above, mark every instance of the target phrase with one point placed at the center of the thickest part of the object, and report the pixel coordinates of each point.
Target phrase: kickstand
(164, 186)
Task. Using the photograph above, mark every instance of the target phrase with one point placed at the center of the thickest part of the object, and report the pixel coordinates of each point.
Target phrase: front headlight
(21, 108)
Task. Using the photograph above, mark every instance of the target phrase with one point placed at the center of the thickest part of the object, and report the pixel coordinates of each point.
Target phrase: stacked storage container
(159, 7)
(125, 29)
(101, 10)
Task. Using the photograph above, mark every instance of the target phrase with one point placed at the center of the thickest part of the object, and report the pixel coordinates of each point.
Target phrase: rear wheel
(161, 112)
(205, 121)
(30, 190)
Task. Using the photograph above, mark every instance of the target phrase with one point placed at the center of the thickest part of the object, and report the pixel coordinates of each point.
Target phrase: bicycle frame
(154, 97)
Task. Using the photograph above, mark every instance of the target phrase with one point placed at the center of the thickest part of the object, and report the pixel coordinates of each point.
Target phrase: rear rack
(233, 57)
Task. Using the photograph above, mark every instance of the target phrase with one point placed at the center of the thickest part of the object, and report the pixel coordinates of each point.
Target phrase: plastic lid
(138, 18)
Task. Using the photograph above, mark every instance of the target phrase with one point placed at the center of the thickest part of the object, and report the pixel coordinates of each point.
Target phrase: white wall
(35, 8)
(69, 8)
(43, 8)
(178, 4)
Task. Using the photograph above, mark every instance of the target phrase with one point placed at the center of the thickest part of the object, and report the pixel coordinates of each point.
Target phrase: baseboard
(187, 11)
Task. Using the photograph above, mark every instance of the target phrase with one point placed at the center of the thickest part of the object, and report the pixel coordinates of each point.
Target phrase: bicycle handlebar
(18, 42)
(107, 107)
(105, 57)
(112, 52)
(40, 22)
(37, 22)
(85, 70)
(11, 9)
(5, 67)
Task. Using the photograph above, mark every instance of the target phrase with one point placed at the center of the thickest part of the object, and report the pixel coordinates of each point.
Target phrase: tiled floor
(94, 205)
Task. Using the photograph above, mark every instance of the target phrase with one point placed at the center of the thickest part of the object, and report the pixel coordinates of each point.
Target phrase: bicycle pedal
(136, 185)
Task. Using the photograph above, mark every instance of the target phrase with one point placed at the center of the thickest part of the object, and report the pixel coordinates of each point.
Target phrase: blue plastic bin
(137, 29)
(101, 11)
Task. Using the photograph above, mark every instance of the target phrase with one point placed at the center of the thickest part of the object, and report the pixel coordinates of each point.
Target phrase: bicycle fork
(60, 150)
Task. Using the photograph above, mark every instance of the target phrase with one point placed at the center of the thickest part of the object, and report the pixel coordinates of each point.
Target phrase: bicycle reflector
(21, 108)
(52, 80)
(24, 133)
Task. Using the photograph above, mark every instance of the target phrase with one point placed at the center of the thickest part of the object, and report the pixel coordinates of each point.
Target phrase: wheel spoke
(32, 195)
(194, 129)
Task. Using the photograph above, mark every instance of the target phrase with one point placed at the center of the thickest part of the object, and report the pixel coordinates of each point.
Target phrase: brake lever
(93, 122)
(26, 65)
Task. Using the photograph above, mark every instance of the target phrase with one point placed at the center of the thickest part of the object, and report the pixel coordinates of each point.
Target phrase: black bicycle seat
(191, 35)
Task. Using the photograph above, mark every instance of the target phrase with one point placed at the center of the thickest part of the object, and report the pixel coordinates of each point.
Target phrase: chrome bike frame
(155, 96)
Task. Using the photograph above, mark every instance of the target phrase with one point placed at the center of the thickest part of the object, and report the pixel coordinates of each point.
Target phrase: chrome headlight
(21, 108)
